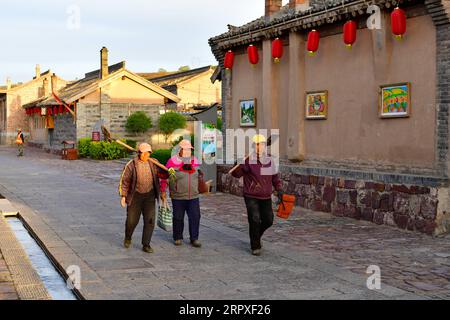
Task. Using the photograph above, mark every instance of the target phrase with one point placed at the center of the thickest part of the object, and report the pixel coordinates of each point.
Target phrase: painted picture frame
(316, 104)
(247, 113)
(395, 100)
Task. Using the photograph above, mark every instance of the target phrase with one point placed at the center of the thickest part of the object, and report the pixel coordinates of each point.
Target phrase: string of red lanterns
(398, 27)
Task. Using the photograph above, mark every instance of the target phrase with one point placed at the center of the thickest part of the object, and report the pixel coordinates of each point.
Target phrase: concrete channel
(35, 272)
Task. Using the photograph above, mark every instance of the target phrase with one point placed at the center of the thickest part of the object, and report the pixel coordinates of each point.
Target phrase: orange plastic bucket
(286, 206)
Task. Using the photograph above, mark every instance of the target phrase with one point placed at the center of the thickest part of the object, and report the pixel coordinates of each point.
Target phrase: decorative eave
(295, 22)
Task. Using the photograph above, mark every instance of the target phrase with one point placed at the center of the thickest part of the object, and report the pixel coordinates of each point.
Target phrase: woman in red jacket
(184, 192)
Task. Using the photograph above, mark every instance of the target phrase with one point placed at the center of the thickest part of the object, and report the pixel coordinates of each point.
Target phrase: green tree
(162, 70)
(184, 68)
(171, 121)
(138, 122)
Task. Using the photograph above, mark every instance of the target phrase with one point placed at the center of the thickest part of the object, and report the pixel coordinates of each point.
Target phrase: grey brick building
(107, 95)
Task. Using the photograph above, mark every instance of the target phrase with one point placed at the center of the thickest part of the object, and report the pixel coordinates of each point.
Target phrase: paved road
(74, 209)
(7, 289)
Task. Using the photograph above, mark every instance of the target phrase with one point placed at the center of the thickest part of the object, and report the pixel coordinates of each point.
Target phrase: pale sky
(148, 34)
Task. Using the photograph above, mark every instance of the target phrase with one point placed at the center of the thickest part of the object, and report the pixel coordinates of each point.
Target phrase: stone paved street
(7, 289)
(74, 208)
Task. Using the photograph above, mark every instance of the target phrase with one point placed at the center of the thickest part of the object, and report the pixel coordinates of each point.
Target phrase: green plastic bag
(165, 216)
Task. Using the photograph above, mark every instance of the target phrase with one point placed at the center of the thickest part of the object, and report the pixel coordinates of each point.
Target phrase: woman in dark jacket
(259, 180)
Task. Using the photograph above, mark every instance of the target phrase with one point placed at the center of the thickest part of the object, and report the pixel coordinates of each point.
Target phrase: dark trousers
(260, 218)
(192, 208)
(141, 204)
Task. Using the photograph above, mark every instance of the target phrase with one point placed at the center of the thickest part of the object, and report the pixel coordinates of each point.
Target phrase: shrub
(162, 155)
(138, 122)
(95, 150)
(83, 147)
(112, 151)
(131, 143)
(171, 121)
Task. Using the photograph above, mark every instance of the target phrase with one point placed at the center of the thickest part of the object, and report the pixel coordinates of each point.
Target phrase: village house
(107, 96)
(363, 132)
(14, 96)
(193, 87)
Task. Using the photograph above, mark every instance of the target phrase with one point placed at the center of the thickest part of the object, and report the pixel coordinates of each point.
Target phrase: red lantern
(55, 110)
(61, 110)
(313, 42)
(49, 111)
(229, 60)
(349, 33)
(398, 23)
(36, 110)
(253, 56)
(277, 50)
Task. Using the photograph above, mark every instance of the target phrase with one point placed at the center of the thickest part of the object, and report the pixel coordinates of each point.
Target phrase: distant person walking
(138, 188)
(184, 192)
(20, 140)
(258, 191)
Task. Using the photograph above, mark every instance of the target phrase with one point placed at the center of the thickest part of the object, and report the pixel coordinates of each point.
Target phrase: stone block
(329, 194)
(378, 217)
(401, 220)
(428, 208)
(367, 214)
(342, 196)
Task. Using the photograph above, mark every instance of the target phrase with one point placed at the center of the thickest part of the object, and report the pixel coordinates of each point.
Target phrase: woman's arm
(163, 181)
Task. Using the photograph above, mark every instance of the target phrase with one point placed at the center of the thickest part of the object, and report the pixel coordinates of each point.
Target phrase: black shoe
(127, 243)
(147, 249)
(196, 244)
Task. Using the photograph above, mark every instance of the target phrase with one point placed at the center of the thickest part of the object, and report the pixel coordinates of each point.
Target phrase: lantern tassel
(311, 53)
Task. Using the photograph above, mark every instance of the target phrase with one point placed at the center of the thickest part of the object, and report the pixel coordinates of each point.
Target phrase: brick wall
(65, 129)
(115, 116)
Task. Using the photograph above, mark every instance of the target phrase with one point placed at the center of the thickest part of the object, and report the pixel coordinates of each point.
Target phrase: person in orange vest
(20, 140)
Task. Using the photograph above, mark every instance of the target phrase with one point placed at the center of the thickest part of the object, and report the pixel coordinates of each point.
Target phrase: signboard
(209, 143)
(95, 136)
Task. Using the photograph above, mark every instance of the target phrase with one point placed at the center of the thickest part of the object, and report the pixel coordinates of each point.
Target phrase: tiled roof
(320, 13)
(75, 87)
(177, 77)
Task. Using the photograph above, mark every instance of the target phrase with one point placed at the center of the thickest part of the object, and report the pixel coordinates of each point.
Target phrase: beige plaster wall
(353, 130)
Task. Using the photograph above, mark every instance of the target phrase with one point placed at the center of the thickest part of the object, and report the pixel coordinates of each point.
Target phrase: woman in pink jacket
(184, 192)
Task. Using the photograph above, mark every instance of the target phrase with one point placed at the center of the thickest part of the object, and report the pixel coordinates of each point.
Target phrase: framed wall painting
(247, 113)
(395, 100)
(317, 105)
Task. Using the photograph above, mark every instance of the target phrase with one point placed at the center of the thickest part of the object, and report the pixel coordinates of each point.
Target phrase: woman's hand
(163, 196)
(123, 202)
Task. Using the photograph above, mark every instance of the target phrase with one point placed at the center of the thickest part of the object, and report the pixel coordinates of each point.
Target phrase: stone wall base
(411, 207)
(51, 150)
